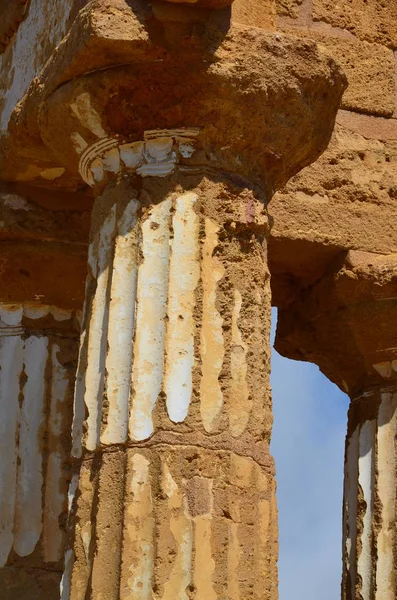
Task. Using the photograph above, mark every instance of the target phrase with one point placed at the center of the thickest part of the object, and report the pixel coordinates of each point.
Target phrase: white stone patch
(158, 149)
(155, 156)
(386, 487)
(183, 279)
(156, 169)
(97, 169)
(73, 486)
(79, 142)
(27, 54)
(97, 336)
(111, 160)
(60, 314)
(366, 476)
(211, 339)
(121, 326)
(394, 365)
(383, 368)
(32, 311)
(87, 116)
(28, 507)
(52, 173)
(152, 307)
(11, 314)
(66, 579)
(132, 154)
(11, 360)
(186, 149)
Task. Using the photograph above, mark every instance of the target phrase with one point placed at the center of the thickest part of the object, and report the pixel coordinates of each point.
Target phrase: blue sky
(308, 445)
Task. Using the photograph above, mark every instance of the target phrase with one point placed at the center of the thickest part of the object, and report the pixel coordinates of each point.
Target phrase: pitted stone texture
(370, 20)
(346, 200)
(288, 8)
(369, 68)
(342, 323)
(176, 522)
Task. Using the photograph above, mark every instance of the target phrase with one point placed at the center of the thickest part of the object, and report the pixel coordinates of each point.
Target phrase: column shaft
(176, 496)
(369, 526)
(38, 352)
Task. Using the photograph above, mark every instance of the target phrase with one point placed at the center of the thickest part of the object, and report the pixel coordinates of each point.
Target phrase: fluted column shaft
(38, 352)
(175, 494)
(369, 523)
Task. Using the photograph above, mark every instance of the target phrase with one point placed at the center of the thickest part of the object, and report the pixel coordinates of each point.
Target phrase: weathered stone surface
(267, 63)
(258, 13)
(35, 584)
(369, 504)
(175, 521)
(370, 70)
(38, 35)
(369, 20)
(38, 353)
(346, 200)
(288, 8)
(342, 322)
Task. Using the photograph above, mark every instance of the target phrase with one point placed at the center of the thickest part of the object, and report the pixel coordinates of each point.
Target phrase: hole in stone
(310, 421)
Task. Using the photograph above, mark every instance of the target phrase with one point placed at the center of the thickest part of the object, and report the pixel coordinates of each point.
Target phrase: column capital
(342, 323)
(264, 104)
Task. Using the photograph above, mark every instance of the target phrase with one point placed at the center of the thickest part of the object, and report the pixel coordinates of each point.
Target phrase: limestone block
(370, 71)
(346, 200)
(369, 68)
(369, 20)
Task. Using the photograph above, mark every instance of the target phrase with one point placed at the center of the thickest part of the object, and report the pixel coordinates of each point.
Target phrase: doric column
(172, 407)
(345, 324)
(38, 345)
(369, 527)
(183, 143)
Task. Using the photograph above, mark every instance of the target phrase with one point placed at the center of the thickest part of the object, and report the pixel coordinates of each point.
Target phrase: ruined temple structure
(169, 170)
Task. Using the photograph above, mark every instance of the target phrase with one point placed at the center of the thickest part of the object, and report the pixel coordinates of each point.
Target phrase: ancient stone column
(344, 324)
(181, 124)
(369, 527)
(37, 355)
(172, 408)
